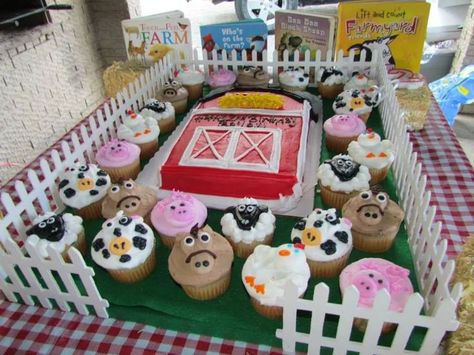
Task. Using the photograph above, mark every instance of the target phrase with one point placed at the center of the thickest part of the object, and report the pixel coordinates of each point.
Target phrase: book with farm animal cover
(150, 38)
(249, 35)
(396, 28)
(304, 30)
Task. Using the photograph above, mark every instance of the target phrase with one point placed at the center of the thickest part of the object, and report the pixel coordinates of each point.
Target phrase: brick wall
(51, 76)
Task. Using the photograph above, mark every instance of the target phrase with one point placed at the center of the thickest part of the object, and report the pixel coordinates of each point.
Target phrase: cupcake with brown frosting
(254, 77)
(131, 198)
(174, 92)
(375, 221)
(200, 262)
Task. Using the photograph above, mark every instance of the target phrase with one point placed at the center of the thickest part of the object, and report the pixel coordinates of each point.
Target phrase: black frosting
(329, 247)
(52, 228)
(247, 215)
(156, 106)
(329, 72)
(343, 167)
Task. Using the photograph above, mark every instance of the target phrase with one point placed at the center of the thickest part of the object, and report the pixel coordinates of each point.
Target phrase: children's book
(250, 35)
(150, 38)
(304, 30)
(396, 28)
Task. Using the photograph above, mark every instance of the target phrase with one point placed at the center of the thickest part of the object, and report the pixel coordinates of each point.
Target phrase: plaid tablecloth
(25, 329)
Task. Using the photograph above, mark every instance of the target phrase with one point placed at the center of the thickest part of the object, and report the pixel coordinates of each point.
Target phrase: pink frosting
(373, 274)
(345, 125)
(178, 213)
(117, 153)
(221, 77)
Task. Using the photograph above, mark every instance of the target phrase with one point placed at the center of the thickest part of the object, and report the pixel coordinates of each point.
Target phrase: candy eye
(189, 241)
(381, 197)
(330, 217)
(365, 195)
(114, 189)
(348, 163)
(124, 220)
(42, 225)
(129, 185)
(50, 220)
(241, 208)
(174, 83)
(83, 168)
(205, 238)
(246, 69)
(318, 211)
(250, 208)
(107, 224)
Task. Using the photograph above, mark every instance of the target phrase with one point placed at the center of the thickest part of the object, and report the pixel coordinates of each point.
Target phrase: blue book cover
(249, 35)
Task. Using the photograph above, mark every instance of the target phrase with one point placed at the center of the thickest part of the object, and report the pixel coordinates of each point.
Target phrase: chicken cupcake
(247, 225)
(254, 77)
(340, 178)
(341, 130)
(162, 111)
(174, 92)
(374, 153)
(293, 79)
(221, 79)
(330, 82)
(120, 159)
(200, 262)
(57, 231)
(192, 81)
(375, 221)
(327, 241)
(266, 273)
(83, 187)
(141, 131)
(176, 214)
(125, 247)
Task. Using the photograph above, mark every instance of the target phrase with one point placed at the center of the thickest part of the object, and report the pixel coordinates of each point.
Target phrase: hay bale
(120, 74)
(415, 105)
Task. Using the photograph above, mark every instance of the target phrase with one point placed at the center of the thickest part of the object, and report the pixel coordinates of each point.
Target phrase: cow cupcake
(359, 81)
(293, 79)
(357, 101)
(162, 111)
(330, 82)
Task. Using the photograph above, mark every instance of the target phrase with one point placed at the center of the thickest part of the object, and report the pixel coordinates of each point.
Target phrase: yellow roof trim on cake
(252, 100)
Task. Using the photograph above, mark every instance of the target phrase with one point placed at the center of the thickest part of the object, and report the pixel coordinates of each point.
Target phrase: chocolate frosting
(344, 168)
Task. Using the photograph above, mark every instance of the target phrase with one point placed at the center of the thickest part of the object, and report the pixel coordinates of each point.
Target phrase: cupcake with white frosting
(193, 81)
(293, 79)
(247, 225)
(57, 231)
(327, 241)
(141, 131)
(359, 81)
(162, 111)
(373, 152)
(125, 247)
(357, 101)
(330, 82)
(268, 270)
(340, 178)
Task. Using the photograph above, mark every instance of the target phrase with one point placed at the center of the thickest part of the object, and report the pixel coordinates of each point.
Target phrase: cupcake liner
(80, 244)
(338, 144)
(129, 171)
(224, 87)
(167, 240)
(272, 312)
(361, 324)
(243, 250)
(210, 291)
(364, 116)
(147, 150)
(194, 91)
(137, 273)
(331, 268)
(292, 88)
(378, 175)
(180, 106)
(335, 199)
(330, 91)
(167, 125)
(93, 211)
(373, 244)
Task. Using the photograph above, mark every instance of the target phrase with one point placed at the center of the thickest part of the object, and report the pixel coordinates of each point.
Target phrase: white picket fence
(38, 194)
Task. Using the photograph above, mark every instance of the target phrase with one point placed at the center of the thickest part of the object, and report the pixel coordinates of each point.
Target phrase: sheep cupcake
(374, 153)
(192, 81)
(327, 241)
(221, 79)
(330, 82)
(341, 130)
(340, 178)
(247, 225)
(254, 77)
(162, 111)
(120, 159)
(174, 92)
(293, 79)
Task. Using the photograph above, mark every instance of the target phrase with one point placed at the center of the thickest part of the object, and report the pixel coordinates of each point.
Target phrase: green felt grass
(159, 301)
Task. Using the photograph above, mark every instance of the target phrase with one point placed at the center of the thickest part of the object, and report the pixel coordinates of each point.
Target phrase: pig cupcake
(371, 275)
(162, 111)
(222, 79)
(200, 262)
(254, 77)
(330, 82)
(176, 214)
(266, 273)
(341, 130)
(120, 159)
(327, 241)
(174, 92)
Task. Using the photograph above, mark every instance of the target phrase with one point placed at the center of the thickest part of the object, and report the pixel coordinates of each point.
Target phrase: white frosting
(359, 182)
(84, 181)
(167, 113)
(138, 130)
(324, 233)
(190, 77)
(262, 228)
(267, 271)
(352, 104)
(295, 78)
(331, 79)
(359, 81)
(371, 151)
(112, 230)
(72, 229)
